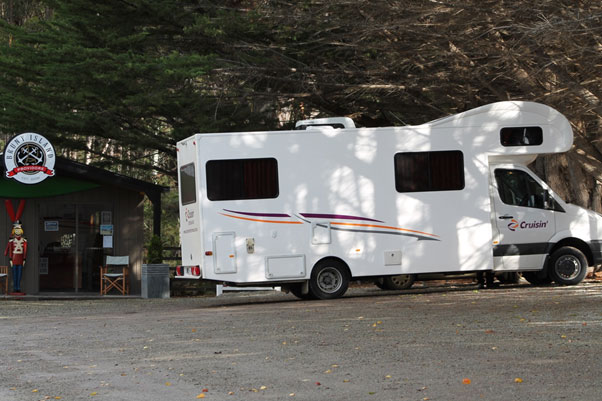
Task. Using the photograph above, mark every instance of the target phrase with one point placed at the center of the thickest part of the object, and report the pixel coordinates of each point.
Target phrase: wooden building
(75, 218)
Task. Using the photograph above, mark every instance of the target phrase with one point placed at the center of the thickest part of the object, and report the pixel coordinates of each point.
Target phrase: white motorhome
(311, 209)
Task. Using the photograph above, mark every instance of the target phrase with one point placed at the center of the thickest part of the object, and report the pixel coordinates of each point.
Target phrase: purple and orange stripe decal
(385, 227)
(336, 225)
(259, 214)
(337, 217)
(268, 215)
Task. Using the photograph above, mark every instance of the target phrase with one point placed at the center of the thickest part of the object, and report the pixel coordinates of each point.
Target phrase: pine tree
(116, 81)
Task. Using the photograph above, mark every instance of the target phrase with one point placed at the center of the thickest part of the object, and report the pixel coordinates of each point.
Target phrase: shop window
(429, 171)
(242, 179)
(187, 184)
(521, 136)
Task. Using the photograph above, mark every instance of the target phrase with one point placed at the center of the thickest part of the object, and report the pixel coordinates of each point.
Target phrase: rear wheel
(399, 282)
(329, 279)
(568, 266)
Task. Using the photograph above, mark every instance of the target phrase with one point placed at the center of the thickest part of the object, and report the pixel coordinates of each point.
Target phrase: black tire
(399, 282)
(568, 266)
(538, 278)
(297, 290)
(329, 279)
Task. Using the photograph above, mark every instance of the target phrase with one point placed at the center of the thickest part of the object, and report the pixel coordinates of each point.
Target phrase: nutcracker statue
(17, 253)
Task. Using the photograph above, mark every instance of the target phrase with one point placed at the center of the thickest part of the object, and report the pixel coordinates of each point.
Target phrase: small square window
(521, 136)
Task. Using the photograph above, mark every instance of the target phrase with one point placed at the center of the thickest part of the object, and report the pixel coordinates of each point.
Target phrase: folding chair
(4, 276)
(114, 274)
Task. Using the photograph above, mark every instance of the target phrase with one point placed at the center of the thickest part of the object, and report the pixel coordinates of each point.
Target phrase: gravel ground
(436, 343)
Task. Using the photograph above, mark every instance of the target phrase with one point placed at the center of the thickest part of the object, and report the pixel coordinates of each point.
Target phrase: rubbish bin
(155, 281)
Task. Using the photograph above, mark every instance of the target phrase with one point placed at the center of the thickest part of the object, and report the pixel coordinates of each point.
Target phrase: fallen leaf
(346, 381)
(167, 383)
(200, 396)
(518, 380)
(328, 371)
(387, 376)
(466, 381)
(291, 395)
(35, 390)
(230, 392)
(93, 394)
(563, 336)
(318, 384)
(263, 388)
(489, 331)
(205, 390)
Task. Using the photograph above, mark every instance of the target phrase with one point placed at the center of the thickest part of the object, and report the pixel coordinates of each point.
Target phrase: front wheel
(329, 279)
(568, 266)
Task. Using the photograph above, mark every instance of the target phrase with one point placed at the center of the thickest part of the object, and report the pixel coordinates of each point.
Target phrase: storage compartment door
(224, 253)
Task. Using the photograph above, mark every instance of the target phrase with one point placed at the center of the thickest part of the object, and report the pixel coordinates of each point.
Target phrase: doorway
(70, 247)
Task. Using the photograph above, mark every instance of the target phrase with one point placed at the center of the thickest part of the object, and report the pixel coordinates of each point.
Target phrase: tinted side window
(521, 136)
(242, 179)
(187, 184)
(429, 171)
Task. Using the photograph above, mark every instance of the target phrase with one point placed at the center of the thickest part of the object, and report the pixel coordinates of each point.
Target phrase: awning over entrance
(54, 187)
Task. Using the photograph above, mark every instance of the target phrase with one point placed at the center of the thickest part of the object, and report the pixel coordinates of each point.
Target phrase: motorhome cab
(311, 209)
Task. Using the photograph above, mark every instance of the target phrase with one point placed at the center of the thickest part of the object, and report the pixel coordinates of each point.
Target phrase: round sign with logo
(29, 158)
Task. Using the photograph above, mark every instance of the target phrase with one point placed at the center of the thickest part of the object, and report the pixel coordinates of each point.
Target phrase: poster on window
(43, 265)
(51, 225)
(106, 229)
(106, 217)
(107, 241)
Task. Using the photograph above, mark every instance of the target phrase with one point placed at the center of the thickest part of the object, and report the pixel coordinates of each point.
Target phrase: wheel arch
(576, 243)
(336, 259)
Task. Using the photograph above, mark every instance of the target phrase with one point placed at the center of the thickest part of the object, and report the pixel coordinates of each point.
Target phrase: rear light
(178, 270)
(196, 271)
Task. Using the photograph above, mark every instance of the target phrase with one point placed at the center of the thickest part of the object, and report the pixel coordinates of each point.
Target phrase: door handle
(506, 217)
